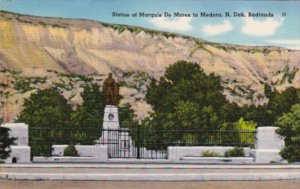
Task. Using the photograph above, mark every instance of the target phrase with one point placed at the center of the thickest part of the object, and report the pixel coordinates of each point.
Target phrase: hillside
(58, 49)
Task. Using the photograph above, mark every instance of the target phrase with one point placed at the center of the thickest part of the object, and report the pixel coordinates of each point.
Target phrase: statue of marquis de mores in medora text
(110, 90)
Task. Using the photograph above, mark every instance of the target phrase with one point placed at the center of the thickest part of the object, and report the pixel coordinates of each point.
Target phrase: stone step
(64, 159)
(239, 160)
(152, 176)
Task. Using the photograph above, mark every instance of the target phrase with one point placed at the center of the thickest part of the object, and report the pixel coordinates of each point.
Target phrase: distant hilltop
(41, 46)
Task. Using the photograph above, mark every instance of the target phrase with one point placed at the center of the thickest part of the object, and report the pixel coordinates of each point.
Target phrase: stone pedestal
(110, 134)
(268, 145)
(111, 118)
(20, 151)
(18, 131)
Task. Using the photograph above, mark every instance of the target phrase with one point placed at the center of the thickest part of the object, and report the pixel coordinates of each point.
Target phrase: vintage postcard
(141, 90)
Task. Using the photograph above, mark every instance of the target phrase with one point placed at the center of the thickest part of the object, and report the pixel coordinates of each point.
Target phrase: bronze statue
(110, 90)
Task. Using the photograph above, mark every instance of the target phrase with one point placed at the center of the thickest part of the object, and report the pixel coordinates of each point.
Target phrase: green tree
(209, 118)
(281, 103)
(88, 117)
(231, 112)
(247, 127)
(46, 108)
(127, 117)
(278, 104)
(5, 142)
(185, 116)
(90, 113)
(185, 81)
(186, 98)
(241, 124)
(289, 128)
(269, 93)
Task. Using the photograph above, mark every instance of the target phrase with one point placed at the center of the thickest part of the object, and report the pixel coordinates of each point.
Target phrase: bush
(246, 126)
(289, 128)
(208, 153)
(5, 143)
(70, 151)
(235, 152)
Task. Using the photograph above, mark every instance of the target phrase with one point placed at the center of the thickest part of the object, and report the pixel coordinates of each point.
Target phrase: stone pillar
(110, 125)
(268, 145)
(111, 117)
(20, 151)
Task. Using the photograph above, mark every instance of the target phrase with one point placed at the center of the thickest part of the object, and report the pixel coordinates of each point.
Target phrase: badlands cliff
(37, 47)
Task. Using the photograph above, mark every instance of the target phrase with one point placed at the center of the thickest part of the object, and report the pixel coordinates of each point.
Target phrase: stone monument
(115, 138)
(111, 92)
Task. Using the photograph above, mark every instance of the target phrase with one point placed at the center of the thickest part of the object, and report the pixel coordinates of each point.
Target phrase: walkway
(148, 172)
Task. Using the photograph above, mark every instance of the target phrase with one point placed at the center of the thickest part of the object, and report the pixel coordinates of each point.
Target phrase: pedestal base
(111, 118)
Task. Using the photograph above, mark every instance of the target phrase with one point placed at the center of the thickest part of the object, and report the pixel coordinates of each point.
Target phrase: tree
(241, 124)
(90, 114)
(5, 142)
(278, 104)
(46, 108)
(289, 128)
(247, 127)
(127, 117)
(185, 81)
(281, 103)
(269, 93)
(184, 88)
(186, 98)
(88, 117)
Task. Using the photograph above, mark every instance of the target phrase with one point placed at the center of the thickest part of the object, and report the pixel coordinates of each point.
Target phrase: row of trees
(48, 108)
(278, 104)
(52, 120)
(185, 98)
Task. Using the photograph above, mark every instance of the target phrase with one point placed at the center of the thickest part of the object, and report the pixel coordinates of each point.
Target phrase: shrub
(246, 126)
(70, 151)
(5, 142)
(208, 153)
(289, 128)
(235, 152)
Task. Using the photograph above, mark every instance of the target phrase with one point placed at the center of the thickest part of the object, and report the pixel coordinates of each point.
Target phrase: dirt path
(134, 170)
(291, 184)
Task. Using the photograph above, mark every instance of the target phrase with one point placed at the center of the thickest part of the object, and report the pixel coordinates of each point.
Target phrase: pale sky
(283, 29)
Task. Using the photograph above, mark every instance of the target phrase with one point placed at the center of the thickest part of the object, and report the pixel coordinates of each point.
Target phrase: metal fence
(135, 142)
(41, 139)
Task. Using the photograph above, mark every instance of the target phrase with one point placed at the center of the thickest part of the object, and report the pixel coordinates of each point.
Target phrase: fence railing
(41, 139)
(161, 139)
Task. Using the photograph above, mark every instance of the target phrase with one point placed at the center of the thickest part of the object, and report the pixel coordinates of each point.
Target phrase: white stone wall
(20, 151)
(58, 150)
(18, 131)
(268, 145)
(176, 153)
(96, 152)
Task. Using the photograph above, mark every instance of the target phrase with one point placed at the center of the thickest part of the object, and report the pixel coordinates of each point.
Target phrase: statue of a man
(110, 90)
